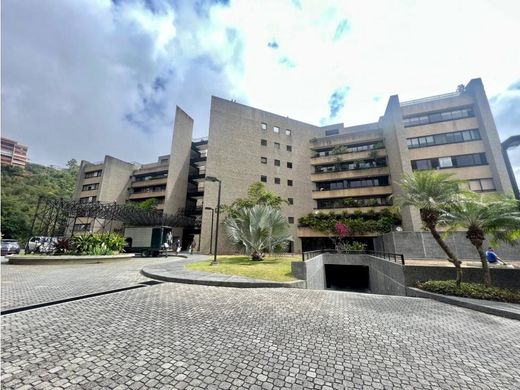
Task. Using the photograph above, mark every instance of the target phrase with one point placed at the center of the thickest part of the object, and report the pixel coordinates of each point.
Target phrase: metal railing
(395, 257)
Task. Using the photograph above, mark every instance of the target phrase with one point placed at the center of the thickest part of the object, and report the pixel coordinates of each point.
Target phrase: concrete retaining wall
(391, 278)
(421, 245)
(385, 277)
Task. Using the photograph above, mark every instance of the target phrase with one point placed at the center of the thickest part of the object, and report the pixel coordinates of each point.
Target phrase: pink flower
(342, 230)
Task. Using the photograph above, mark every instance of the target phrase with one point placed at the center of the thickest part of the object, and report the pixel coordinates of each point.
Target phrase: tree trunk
(486, 273)
(451, 256)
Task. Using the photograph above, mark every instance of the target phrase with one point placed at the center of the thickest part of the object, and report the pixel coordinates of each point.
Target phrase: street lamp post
(213, 178)
(211, 236)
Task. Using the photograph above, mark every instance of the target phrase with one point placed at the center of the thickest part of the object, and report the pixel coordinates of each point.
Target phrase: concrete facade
(326, 169)
(13, 153)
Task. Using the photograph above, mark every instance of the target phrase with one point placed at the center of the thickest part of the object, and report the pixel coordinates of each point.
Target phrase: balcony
(150, 182)
(334, 158)
(146, 195)
(352, 210)
(352, 192)
(348, 174)
(342, 139)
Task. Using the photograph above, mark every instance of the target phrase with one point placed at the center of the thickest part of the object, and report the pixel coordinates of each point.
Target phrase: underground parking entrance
(342, 277)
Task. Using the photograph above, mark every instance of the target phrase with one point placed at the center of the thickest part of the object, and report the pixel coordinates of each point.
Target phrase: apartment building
(316, 169)
(13, 153)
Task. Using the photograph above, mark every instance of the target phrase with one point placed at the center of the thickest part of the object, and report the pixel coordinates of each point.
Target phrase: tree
(481, 215)
(148, 204)
(256, 195)
(258, 229)
(430, 192)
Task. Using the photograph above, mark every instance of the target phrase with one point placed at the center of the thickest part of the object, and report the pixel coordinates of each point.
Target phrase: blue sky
(86, 78)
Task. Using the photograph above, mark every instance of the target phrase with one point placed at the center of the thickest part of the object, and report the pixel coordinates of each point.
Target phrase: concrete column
(178, 169)
(489, 134)
(398, 160)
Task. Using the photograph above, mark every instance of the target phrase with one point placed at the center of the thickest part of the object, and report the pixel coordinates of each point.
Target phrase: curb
(224, 283)
(415, 292)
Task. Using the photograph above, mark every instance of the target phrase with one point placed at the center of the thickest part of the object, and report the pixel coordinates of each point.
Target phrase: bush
(98, 244)
(470, 290)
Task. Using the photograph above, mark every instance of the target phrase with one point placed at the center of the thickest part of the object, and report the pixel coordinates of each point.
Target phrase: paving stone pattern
(25, 285)
(176, 336)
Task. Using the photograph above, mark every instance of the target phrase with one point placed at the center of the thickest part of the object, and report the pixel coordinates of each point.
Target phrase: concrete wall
(234, 151)
(500, 277)
(179, 164)
(389, 278)
(421, 245)
(385, 277)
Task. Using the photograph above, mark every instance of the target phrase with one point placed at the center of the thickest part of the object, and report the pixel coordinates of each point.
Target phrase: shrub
(98, 244)
(470, 290)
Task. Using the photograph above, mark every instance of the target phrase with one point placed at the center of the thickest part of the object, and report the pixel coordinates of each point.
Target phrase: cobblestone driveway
(195, 337)
(25, 285)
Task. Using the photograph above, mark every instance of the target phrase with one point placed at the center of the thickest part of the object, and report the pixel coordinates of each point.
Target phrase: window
(465, 160)
(87, 199)
(288, 132)
(290, 183)
(263, 142)
(263, 125)
(263, 160)
(90, 187)
(445, 162)
(289, 165)
(331, 132)
(263, 179)
(276, 129)
(276, 163)
(444, 138)
(93, 174)
(481, 185)
(82, 227)
(438, 117)
(290, 219)
(290, 200)
(276, 180)
(289, 148)
(277, 145)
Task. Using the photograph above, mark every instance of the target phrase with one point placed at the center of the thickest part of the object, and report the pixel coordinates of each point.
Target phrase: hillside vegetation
(21, 189)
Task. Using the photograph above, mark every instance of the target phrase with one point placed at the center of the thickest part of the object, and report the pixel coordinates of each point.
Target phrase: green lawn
(276, 268)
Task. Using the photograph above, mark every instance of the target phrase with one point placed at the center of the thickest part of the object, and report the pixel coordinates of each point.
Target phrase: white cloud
(74, 70)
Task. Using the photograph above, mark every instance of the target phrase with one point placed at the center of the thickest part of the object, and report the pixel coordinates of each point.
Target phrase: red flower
(342, 230)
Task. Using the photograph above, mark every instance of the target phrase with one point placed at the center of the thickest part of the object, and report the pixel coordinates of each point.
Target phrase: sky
(86, 78)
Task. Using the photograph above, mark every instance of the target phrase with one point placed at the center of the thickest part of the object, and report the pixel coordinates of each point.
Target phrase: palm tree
(431, 191)
(258, 229)
(481, 215)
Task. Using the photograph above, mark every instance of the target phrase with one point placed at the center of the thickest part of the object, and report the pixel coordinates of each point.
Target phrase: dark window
(263, 179)
(263, 142)
(92, 174)
(277, 145)
(290, 200)
(331, 132)
(445, 138)
(276, 180)
(438, 117)
(82, 227)
(289, 183)
(276, 163)
(88, 199)
(289, 148)
(263, 160)
(290, 219)
(90, 187)
(289, 165)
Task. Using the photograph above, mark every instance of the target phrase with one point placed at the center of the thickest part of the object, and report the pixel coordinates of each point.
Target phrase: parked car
(10, 247)
(40, 244)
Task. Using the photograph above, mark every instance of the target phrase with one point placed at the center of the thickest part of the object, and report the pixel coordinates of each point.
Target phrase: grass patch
(470, 290)
(275, 268)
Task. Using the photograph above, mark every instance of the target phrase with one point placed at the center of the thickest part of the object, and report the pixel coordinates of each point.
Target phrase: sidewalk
(173, 270)
(501, 309)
